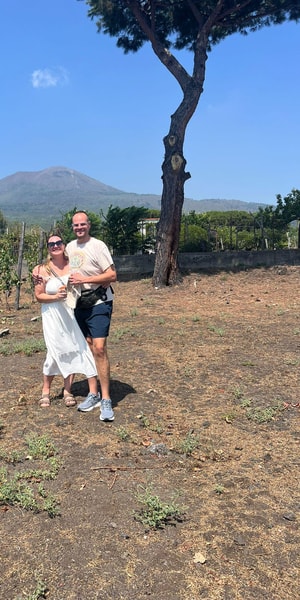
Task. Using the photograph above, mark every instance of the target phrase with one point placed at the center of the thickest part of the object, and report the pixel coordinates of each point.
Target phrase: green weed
(238, 393)
(40, 446)
(144, 420)
(219, 489)
(218, 330)
(188, 445)
(120, 332)
(154, 512)
(245, 403)
(50, 506)
(158, 428)
(27, 347)
(187, 372)
(15, 492)
(21, 489)
(11, 457)
(262, 415)
(229, 417)
(40, 592)
(123, 434)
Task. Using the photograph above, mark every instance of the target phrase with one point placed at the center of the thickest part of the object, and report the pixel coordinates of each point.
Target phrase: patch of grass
(188, 445)
(195, 319)
(40, 446)
(219, 489)
(134, 312)
(229, 417)
(218, 330)
(40, 592)
(11, 457)
(40, 474)
(263, 415)
(14, 492)
(144, 420)
(120, 332)
(27, 347)
(291, 362)
(17, 492)
(161, 321)
(123, 434)
(245, 403)
(155, 513)
(238, 393)
(50, 504)
(187, 372)
(158, 428)
(25, 487)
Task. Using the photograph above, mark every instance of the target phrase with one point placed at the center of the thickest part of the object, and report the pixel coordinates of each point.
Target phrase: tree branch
(164, 55)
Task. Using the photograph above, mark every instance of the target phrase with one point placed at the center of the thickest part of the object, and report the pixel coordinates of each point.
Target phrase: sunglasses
(53, 244)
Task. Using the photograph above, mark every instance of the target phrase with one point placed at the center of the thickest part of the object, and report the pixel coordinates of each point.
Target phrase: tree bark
(166, 270)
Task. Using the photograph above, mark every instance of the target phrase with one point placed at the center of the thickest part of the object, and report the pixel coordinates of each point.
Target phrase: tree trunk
(166, 271)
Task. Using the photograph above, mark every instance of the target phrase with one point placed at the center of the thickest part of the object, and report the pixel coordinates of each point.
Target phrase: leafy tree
(288, 208)
(122, 228)
(8, 254)
(195, 25)
(279, 218)
(3, 223)
(193, 238)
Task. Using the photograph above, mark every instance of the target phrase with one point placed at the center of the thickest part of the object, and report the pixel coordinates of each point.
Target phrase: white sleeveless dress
(67, 349)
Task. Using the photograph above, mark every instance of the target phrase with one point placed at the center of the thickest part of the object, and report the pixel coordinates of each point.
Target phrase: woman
(67, 349)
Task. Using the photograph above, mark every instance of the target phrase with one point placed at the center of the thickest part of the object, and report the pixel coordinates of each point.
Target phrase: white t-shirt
(90, 258)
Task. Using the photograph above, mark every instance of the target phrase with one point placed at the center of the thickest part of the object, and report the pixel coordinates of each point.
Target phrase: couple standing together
(75, 333)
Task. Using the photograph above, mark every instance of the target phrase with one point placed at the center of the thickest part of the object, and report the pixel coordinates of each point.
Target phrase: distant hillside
(41, 197)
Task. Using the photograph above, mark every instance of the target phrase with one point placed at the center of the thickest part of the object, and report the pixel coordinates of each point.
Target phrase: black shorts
(94, 322)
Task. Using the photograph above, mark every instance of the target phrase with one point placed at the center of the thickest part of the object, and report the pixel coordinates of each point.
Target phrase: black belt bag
(89, 297)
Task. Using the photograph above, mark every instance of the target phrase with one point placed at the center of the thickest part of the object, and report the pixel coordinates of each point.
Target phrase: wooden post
(19, 267)
(41, 246)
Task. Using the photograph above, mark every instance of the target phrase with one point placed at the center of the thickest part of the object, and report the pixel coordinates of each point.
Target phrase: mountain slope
(41, 197)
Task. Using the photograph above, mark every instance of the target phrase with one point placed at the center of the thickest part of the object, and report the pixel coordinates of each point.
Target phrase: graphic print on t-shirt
(77, 260)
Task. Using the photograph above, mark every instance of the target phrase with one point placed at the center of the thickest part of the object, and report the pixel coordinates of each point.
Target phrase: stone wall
(139, 266)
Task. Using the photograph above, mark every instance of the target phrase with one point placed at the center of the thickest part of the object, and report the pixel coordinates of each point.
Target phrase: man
(91, 266)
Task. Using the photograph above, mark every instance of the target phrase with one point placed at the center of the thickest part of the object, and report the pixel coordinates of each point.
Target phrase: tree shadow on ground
(119, 389)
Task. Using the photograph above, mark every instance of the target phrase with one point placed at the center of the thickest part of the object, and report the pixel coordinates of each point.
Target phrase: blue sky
(70, 97)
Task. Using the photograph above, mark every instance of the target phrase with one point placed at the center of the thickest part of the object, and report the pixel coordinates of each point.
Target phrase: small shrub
(123, 434)
(154, 512)
(40, 446)
(188, 445)
(218, 330)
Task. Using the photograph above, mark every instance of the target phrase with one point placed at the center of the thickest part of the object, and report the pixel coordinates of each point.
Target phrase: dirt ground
(205, 379)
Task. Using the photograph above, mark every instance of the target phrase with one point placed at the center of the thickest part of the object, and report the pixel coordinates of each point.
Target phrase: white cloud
(45, 78)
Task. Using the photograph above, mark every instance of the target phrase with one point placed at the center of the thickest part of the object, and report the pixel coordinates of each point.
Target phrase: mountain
(42, 197)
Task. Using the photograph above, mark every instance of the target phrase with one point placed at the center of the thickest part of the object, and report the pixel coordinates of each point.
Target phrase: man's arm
(106, 278)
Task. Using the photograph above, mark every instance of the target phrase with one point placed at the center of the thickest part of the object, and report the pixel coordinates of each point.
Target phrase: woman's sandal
(69, 399)
(44, 402)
